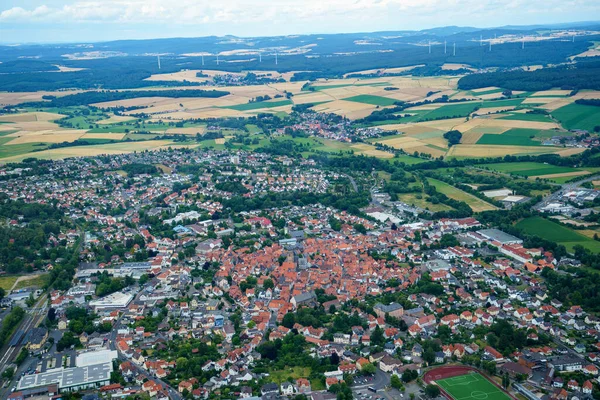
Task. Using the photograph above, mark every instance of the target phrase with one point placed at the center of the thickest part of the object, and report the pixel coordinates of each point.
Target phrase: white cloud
(292, 12)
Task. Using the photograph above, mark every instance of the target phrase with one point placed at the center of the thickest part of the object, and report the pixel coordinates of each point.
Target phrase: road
(33, 317)
(112, 342)
(567, 187)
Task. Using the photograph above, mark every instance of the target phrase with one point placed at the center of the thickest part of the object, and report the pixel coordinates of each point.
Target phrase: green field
(557, 233)
(371, 99)
(451, 111)
(578, 116)
(259, 104)
(527, 117)
(454, 193)
(529, 168)
(518, 137)
(472, 386)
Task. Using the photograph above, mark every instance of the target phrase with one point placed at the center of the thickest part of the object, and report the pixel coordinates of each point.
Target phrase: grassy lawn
(7, 281)
(35, 281)
(552, 231)
(472, 387)
(578, 116)
(279, 376)
(454, 193)
(371, 99)
(413, 200)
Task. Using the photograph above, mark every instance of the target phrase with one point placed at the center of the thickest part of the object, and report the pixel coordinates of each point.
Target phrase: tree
(268, 284)
(432, 391)
(377, 337)
(395, 382)
(369, 369)
(8, 373)
(453, 137)
(334, 359)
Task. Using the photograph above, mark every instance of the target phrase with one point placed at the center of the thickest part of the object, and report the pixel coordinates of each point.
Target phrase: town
(216, 274)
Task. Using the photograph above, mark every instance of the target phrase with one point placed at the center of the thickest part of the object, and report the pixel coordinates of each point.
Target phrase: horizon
(60, 21)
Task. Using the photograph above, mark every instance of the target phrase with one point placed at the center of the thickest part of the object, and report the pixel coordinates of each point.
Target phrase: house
(567, 363)
(389, 363)
(303, 385)
(287, 389)
(587, 387)
(493, 354)
(269, 388)
(308, 299)
(393, 309)
(514, 369)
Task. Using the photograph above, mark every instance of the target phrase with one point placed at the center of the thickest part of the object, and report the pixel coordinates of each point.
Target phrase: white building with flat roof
(112, 301)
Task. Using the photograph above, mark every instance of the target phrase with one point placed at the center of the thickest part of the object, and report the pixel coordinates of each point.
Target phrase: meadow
(557, 233)
(578, 116)
(475, 203)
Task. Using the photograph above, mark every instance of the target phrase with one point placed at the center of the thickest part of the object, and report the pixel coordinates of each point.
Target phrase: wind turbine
(454, 49)
(202, 59)
(259, 57)
(481, 40)
(523, 44)
(490, 45)
(430, 47)
(444, 47)
(158, 58)
(276, 61)
(217, 58)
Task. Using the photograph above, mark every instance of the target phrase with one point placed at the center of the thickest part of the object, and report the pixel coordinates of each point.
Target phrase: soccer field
(471, 387)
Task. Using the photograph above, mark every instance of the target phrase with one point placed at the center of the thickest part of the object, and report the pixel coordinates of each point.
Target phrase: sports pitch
(471, 386)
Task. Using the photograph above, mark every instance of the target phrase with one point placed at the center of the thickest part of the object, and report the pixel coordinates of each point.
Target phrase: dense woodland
(584, 75)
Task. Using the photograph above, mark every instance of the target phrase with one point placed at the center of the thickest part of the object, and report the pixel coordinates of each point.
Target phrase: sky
(47, 21)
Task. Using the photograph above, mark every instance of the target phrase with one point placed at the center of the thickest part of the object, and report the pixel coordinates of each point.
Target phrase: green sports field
(471, 386)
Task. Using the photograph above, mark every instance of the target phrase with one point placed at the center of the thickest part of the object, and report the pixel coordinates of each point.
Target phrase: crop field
(471, 386)
(518, 137)
(557, 233)
(578, 116)
(419, 200)
(529, 168)
(260, 104)
(454, 193)
(371, 99)
(526, 117)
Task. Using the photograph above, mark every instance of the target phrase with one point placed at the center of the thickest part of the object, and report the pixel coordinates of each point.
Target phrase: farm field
(471, 386)
(475, 203)
(420, 201)
(557, 233)
(518, 137)
(529, 169)
(371, 99)
(578, 116)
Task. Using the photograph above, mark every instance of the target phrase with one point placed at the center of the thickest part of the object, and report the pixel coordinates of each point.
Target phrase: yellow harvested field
(432, 106)
(115, 119)
(428, 150)
(493, 110)
(111, 136)
(85, 151)
(36, 116)
(371, 151)
(187, 131)
(50, 136)
(402, 142)
(346, 108)
(443, 124)
(471, 137)
(455, 66)
(556, 104)
(570, 151)
(220, 141)
(384, 70)
(561, 175)
(312, 97)
(504, 123)
(544, 93)
(12, 98)
(418, 129)
(479, 150)
(485, 89)
(138, 102)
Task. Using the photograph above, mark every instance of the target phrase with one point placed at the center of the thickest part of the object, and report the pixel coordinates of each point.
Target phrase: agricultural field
(552, 231)
(371, 99)
(578, 116)
(534, 170)
(475, 203)
(471, 386)
(517, 137)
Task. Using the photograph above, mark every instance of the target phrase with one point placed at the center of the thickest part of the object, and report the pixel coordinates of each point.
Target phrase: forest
(583, 75)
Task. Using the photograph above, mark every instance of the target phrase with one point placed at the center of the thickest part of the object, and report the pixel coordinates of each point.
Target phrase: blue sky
(23, 21)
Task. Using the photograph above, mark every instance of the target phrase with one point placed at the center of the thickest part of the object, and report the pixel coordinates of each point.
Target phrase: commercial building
(112, 301)
(497, 235)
